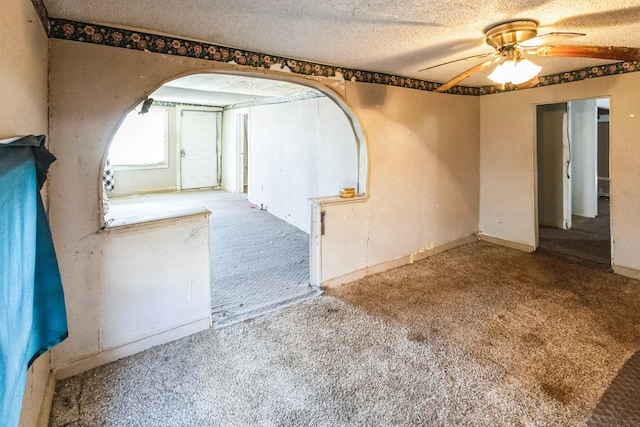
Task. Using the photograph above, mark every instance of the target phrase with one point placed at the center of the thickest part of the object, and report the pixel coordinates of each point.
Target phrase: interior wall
(507, 161)
(423, 153)
(139, 181)
(583, 121)
(229, 149)
(23, 67)
(299, 150)
(23, 111)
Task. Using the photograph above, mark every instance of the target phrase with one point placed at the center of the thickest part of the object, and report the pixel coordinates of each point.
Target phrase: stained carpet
(477, 336)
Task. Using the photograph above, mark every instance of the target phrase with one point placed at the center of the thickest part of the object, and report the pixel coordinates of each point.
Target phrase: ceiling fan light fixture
(515, 71)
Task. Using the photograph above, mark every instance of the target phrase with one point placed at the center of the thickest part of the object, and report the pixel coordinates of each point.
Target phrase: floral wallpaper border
(109, 36)
(137, 40)
(41, 10)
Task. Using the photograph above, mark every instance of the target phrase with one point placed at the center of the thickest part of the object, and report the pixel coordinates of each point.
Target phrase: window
(141, 141)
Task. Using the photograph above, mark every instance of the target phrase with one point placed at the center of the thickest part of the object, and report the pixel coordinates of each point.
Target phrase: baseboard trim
(113, 354)
(626, 271)
(47, 401)
(507, 243)
(395, 263)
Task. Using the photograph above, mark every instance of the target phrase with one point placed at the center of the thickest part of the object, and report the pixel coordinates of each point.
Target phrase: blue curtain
(32, 310)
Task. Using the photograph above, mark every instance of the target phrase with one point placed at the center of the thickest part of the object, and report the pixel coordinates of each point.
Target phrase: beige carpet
(478, 336)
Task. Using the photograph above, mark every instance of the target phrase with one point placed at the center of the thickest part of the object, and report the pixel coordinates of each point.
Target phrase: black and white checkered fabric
(108, 179)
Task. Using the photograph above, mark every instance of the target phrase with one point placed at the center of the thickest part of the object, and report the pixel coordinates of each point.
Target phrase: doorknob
(182, 152)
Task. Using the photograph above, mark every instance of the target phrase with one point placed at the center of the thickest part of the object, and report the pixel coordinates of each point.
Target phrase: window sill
(155, 220)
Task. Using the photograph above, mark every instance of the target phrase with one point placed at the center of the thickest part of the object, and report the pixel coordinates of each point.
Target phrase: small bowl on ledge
(347, 192)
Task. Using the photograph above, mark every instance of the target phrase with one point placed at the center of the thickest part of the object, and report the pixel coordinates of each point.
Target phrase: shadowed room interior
(461, 182)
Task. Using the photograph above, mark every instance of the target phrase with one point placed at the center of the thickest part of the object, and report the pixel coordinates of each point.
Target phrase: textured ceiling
(222, 90)
(398, 37)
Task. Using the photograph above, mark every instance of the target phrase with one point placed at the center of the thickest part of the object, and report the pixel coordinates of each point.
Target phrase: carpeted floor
(258, 262)
(588, 239)
(619, 405)
(477, 336)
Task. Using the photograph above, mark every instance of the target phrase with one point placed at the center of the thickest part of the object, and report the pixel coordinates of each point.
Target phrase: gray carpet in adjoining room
(258, 262)
(588, 239)
(477, 336)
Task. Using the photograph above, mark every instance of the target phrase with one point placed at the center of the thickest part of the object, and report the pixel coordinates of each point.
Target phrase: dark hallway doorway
(573, 180)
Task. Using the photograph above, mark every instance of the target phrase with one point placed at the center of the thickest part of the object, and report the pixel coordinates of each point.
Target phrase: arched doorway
(275, 145)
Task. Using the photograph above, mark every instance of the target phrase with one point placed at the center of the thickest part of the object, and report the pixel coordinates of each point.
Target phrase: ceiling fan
(515, 39)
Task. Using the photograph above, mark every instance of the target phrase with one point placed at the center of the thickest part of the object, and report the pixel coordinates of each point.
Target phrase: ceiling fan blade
(529, 84)
(600, 52)
(544, 38)
(482, 55)
(460, 77)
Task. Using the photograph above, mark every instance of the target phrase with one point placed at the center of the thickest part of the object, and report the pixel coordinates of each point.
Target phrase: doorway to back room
(573, 179)
(253, 152)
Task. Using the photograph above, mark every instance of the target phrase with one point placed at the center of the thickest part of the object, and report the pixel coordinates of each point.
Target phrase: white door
(198, 149)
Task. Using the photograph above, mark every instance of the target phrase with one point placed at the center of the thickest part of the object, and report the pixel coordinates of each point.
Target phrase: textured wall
(23, 67)
(423, 176)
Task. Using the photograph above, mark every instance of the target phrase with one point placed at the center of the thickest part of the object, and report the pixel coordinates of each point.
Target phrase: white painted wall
(23, 111)
(423, 151)
(229, 151)
(23, 67)
(583, 137)
(507, 162)
(299, 150)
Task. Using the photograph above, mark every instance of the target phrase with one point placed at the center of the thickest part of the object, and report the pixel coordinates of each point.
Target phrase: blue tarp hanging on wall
(32, 311)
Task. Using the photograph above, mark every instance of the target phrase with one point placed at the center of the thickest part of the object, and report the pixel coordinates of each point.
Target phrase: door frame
(534, 145)
(179, 110)
(242, 152)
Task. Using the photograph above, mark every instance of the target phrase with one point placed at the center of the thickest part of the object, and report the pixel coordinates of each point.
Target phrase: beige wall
(91, 89)
(23, 111)
(424, 171)
(507, 161)
(23, 67)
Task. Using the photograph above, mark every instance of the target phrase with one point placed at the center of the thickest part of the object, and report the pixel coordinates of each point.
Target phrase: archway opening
(253, 151)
